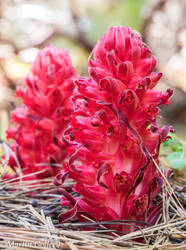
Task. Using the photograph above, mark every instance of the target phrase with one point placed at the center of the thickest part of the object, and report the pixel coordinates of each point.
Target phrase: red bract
(45, 113)
(113, 133)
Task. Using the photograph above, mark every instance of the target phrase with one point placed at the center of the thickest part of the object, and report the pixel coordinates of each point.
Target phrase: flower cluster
(44, 115)
(106, 128)
(113, 138)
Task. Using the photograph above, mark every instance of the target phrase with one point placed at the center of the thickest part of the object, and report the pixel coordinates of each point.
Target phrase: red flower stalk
(113, 133)
(45, 113)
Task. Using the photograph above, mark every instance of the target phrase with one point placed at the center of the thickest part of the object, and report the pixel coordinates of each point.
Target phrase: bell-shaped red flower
(113, 133)
(45, 113)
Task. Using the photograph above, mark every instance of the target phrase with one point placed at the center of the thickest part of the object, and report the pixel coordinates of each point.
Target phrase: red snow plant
(113, 134)
(44, 114)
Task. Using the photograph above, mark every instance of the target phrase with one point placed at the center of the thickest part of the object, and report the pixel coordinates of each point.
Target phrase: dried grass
(28, 220)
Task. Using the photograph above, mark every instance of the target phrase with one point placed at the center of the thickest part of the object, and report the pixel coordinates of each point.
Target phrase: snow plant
(113, 138)
(44, 114)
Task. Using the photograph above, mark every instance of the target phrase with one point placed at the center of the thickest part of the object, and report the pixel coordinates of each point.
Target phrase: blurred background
(28, 25)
